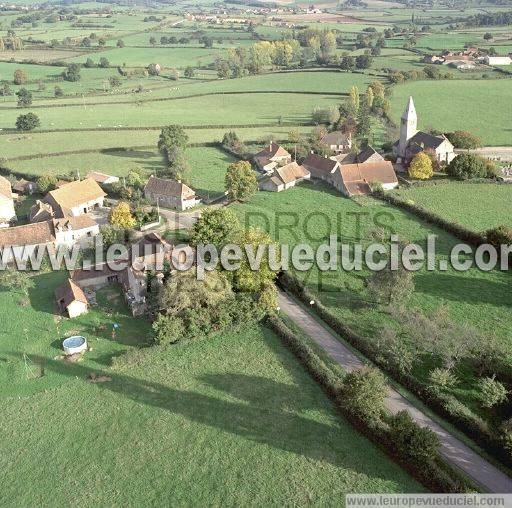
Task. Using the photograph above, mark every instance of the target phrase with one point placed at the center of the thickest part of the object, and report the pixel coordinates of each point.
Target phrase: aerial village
(73, 212)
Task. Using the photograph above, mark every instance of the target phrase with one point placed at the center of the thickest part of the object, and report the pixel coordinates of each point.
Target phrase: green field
(233, 420)
(481, 107)
(207, 169)
(311, 212)
(476, 206)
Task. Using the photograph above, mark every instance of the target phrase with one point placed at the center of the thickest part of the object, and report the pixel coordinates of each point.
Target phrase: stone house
(170, 193)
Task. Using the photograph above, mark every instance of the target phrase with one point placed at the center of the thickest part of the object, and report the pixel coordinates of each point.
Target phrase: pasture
(476, 206)
(478, 106)
(310, 213)
(237, 412)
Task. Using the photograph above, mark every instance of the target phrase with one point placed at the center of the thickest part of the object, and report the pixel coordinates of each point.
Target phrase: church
(413, 141)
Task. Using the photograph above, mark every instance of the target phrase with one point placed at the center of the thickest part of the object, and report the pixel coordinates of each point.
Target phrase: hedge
(437, 475)
(447, 406)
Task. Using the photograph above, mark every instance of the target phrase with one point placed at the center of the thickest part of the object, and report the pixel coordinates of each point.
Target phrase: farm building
(102, 178)
(368, 154)
(352, 179)
(51, 233)
(23, 186)
(71, 299)
(337, 141)
(413, 141)
(40, 211)
(284, 177)
(498, 60)
(272, 157)
(7, 213)
(171, 193)
(75, 198)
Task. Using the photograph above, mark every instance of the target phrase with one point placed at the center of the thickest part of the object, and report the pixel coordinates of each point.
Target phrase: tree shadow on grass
(258, 418)
(466, 289)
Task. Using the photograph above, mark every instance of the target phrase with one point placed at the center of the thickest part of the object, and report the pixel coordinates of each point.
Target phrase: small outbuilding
(71, 299)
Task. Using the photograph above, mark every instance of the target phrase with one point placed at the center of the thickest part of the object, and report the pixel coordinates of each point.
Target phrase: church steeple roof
(410, 110)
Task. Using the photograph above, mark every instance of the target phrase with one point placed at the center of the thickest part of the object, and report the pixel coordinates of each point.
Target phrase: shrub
(418, 444)
(27, 122)
(421, 167)
(466, 166)
(441, 379)
(464, 139)
(363, 394)
(492, 392)
(46, 182)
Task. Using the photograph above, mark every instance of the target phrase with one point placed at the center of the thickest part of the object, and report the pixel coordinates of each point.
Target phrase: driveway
(452, 449)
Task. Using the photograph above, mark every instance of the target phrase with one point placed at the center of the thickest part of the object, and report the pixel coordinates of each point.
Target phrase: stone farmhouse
(171, 193)
(351, 179)
(24, 240)
(413, 141)
(7, 213)
(71, 299)
(284, 177)
(74, 198)
(337, 141)
(270, 158)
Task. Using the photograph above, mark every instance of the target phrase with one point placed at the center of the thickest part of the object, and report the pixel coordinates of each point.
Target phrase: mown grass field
(312, 212)
(482, 107)
(232, 420)
(228, 109)
(207, 170)
(476, 206)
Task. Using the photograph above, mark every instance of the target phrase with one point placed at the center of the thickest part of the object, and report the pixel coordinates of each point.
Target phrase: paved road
(454, 450)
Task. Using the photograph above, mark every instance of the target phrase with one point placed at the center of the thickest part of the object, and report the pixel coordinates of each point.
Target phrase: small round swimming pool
(75, 344)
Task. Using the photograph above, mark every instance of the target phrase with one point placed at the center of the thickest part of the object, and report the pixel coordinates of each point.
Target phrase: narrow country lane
(454, 450)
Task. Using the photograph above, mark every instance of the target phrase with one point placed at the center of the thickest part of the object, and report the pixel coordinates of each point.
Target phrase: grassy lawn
(33, 328)
(207, 169)
(458, 105)
(310, 213)
(233, 420)
(476, 206)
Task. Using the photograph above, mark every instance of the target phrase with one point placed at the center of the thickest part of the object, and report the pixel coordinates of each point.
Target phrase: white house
(7, 213)
(24, 240)
(284, 177)
(271, 157)
(413, 141)
(75, 198)
(337, 141)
